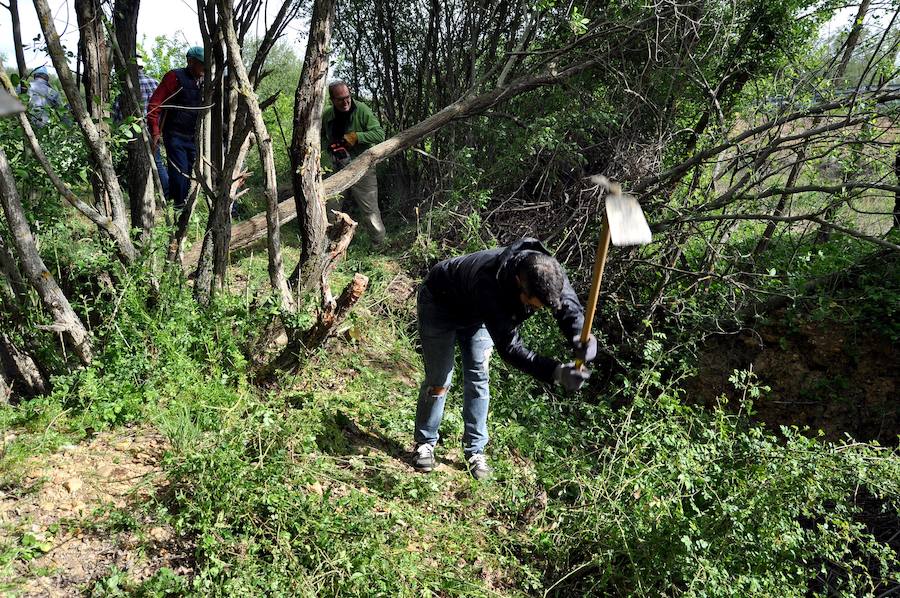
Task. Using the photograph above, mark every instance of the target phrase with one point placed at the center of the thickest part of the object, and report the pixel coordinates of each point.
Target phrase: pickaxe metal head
(627, 224)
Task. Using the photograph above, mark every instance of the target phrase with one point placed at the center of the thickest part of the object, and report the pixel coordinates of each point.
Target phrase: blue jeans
(439, 335)
(163, 173)
(180, 152)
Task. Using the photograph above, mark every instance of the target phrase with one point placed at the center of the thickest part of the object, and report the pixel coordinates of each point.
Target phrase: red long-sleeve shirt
(167, 88)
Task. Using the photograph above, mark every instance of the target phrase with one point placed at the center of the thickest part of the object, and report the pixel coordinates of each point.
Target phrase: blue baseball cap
(41, 70)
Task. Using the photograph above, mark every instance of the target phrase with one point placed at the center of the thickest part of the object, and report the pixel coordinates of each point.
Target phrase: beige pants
(365, 194)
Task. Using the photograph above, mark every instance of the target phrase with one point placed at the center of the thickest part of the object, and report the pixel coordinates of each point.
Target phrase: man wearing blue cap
(172, 114)
(40, 96)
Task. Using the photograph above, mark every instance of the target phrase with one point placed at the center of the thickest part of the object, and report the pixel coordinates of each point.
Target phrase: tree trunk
(5, 390)
(21, 65)
(137, 162)
(300, 343)
(97, 146)
(11, 273)
(266, 157)
(852, 38)
(20, 370)
(766, 238)
(824, 233)
(897, 193)
(95, 80)
(306, 172)
(52, 297)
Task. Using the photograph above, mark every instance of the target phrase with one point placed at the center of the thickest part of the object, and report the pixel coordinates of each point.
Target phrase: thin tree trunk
(306, 172)
(95, 142)
(21, 65)
(852, 38)
(5, 390)
(856, 29)
(266, 157)
(897, 193)
(11, 273)
(137, 163)
(95, 80)
(52, 297)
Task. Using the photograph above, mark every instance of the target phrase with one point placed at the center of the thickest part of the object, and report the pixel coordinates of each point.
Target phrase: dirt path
(78, 516)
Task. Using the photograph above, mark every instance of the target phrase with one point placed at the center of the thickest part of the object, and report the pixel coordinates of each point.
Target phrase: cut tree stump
(301, 343)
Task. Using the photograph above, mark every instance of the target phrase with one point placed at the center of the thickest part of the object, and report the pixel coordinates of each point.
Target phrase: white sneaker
(478, 467)
(423, 458)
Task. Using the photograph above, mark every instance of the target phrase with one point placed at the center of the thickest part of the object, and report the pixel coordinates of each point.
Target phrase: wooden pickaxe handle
(599, 263)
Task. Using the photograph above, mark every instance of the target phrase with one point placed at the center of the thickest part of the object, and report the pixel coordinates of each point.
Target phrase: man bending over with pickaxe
(479, 301)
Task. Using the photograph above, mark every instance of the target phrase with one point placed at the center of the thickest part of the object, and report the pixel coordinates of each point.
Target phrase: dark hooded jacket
(480, 288)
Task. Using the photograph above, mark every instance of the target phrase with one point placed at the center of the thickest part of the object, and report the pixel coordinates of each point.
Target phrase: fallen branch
(245, 233)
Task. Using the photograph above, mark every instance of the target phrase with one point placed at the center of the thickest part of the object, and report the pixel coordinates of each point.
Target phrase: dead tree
(247, 232)
(331, 314)
(21, 65)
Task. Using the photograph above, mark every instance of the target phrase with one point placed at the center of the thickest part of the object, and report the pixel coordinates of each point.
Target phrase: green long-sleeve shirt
(362, 121)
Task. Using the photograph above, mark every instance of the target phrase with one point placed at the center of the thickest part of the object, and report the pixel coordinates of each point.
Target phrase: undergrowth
(622, 489)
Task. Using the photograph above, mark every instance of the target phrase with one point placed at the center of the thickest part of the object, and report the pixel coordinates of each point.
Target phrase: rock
(105, 471)
(122, 446)
(73, 485)
(160, 534)
(68, 448)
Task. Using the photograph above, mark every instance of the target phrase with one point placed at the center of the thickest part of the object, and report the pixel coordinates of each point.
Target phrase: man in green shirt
(349, 127)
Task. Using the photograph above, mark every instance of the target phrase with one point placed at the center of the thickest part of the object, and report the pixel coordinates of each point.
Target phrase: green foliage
(164, 55)
(164, 582)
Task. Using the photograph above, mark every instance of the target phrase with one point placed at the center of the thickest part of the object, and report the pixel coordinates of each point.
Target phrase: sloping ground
(823, 375)
(77, 518)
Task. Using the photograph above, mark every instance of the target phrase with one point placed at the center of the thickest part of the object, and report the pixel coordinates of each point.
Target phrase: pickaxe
(623, 224)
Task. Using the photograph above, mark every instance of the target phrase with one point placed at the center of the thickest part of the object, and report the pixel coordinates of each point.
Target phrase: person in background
(172, 113)
(41, 98)
(147, 85)
(349, 127)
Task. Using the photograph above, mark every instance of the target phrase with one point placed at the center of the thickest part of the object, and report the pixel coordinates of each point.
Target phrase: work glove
(351, 138)
(570, 377)
(586, 352)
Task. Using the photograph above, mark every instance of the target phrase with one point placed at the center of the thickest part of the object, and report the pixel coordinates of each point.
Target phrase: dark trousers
(163, 172)
(180, 152)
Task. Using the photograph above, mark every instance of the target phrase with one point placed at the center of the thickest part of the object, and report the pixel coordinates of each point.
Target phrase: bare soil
(69, 500)
(823, 375)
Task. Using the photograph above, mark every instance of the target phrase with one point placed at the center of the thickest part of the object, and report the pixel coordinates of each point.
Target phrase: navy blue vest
(177, 120)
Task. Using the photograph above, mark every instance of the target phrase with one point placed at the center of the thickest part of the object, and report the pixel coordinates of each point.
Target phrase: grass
(306, 491)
